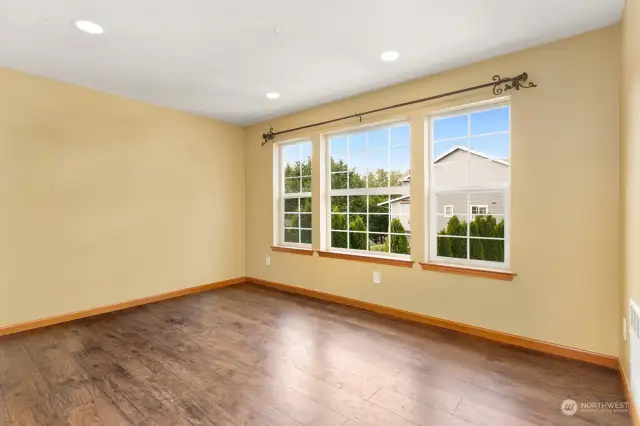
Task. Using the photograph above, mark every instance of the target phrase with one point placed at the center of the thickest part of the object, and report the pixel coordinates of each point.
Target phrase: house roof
(404, 197)
(407, 177)
(466, 149)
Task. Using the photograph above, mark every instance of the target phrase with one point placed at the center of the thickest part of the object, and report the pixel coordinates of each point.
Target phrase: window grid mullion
(468, 225)
(348, 164)
(281, 220)
(389, 185)
(469, 149)
(348, 221)
(479, 135)
(366, 157)
(368, 218)
(299, 199)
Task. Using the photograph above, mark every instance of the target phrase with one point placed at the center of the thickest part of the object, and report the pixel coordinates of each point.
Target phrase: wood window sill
(293, 250)
(474, 272)
(368, 259)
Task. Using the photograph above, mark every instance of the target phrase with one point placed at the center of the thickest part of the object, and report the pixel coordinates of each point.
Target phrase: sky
(474, 125)
(388, 148)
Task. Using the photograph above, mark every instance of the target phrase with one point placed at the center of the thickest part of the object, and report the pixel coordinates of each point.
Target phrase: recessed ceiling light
(389, 55)
(273, 95)
(88, 27)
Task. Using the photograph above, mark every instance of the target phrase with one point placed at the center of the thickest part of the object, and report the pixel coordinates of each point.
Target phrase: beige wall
(564, 158)
(104, 199)
(630, 161)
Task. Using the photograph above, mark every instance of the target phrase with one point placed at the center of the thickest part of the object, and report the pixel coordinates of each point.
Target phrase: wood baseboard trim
(497, 336)
(505, 338)
(633, 412)
(45, 322)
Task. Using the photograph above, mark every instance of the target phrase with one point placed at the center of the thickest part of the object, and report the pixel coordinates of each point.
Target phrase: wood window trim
(474, 272)
(293, 250)
(368, 259)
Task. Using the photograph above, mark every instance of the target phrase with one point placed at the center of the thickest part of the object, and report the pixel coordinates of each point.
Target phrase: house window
(369, 183)
(295, 194)
(479, 210)
(470, 171)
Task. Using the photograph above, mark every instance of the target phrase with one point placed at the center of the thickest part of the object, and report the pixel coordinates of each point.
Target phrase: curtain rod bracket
(517, 82)
(499, 85)
(266, 137)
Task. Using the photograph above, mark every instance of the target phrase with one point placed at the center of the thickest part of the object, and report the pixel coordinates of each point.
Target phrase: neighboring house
(401, 205)
(455, 166)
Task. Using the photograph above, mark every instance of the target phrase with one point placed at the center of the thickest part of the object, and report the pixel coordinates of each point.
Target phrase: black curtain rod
(517, 82)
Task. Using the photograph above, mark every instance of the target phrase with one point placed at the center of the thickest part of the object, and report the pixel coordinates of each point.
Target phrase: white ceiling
(219, 58)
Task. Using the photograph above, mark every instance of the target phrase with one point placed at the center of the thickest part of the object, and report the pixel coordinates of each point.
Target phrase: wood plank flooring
(247, 355)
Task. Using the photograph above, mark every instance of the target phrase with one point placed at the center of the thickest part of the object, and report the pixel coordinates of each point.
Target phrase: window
(469, 187)
(369, 183)
(479, 210)
(295, 191)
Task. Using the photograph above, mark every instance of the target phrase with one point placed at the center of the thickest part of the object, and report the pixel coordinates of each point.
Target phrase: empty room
(323, 213)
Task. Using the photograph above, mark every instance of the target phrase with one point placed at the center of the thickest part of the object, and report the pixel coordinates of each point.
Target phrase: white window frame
(284, 196)
(447, 213)
(504, 188)
(391, 190)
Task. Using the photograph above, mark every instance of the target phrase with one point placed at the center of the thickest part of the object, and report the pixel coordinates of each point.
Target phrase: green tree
(399, 243)
(339, 229)
(358, 240)
(476, 248)
(339, 180)
(305, 167)
(296, 170)
(480, 249)
(394, 177)
(305, 205)
(444, 245)
(458, 245)
(338, 166)
(378, 179)
(357, 204)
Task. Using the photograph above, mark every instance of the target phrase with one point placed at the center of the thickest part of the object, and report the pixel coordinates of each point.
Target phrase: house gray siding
(455, 169)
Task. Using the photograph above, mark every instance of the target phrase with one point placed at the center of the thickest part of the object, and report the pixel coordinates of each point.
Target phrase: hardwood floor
(247, 355)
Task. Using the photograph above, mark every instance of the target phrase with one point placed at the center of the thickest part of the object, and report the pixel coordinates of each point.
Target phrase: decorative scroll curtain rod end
(518, 82)
(266, 137)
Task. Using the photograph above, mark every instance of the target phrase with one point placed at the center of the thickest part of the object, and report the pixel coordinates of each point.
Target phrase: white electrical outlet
(268, 260)
(624, 328)
(376, 277)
